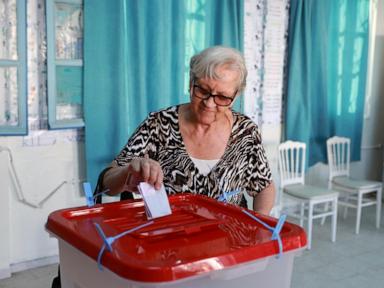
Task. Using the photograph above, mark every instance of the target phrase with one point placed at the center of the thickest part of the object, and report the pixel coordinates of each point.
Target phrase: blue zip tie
(88, 194)
(89, 197)
(275, 230)
(107, 241)
(224, 197)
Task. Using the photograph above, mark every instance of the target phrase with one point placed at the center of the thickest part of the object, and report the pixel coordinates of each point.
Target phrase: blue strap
(275, 230)
(88, 194)
(89, 197)
(107, 241)
(224, 197)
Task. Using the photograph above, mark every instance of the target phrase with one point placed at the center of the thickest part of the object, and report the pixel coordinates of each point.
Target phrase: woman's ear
(190, 86)
(234, 99)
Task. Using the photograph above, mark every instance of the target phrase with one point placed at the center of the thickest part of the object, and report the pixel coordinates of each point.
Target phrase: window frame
(21, 66)
(53, 63)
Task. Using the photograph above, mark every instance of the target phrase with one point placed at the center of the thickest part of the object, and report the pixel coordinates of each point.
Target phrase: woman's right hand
(143, 170)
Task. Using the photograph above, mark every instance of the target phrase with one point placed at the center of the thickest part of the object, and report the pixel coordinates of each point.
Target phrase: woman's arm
(264, 201)
(126, 178)
(114, 179)
(135, 163)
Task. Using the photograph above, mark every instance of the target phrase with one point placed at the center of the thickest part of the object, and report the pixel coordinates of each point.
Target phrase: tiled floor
(34, 278)
(353, 261)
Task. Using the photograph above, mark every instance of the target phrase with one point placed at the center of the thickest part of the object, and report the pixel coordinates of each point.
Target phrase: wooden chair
(294, 193)
(352, 191)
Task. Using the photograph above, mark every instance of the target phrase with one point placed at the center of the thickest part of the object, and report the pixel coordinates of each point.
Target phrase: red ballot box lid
(200, 235)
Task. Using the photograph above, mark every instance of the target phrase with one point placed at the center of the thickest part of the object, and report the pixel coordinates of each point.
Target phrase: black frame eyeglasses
(220, 100)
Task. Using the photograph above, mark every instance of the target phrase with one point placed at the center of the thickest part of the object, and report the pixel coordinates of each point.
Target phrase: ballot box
(203, 243)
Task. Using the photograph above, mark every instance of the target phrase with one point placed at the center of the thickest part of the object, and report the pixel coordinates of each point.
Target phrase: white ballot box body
(80, 271)
(199, 245)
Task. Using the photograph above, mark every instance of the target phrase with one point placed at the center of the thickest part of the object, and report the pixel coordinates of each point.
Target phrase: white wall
(4, 218)
(41, 170)
(48, 166)
(378, 90)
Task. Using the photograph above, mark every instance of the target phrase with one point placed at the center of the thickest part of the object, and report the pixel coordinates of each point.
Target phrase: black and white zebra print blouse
(243, 166)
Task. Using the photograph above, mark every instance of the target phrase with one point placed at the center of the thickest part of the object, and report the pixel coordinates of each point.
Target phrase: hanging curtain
(327, 65)
(210, 23)
(224, 23)
(134, 60)
(135, 57)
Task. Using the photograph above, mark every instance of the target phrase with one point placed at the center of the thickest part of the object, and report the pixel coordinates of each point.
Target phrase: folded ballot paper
(155, 201)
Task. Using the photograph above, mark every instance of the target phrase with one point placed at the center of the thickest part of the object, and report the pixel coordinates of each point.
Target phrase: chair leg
(345, 208)
(302, 214)
(310, 220)
(378, 207)
(358, 216)
(334, 219)
(326, 208)
(56, 283)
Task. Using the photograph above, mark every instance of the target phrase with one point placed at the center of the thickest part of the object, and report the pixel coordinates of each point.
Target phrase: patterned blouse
(243, 165)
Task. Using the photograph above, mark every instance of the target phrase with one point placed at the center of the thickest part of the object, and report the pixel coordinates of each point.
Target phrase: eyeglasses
(220, 100)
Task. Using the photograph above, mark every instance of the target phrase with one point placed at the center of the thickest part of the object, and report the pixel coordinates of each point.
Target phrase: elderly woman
(201, 147)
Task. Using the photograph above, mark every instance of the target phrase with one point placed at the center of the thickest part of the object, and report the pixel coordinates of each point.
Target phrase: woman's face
(207, 111)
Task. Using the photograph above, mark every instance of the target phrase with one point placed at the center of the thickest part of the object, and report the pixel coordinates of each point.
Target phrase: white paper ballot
(155, 201)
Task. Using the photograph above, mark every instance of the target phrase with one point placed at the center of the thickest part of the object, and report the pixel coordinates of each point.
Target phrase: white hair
(204, 64)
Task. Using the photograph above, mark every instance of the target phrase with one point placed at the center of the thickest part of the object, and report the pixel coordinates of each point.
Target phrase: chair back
(291, 163)
(338, 153)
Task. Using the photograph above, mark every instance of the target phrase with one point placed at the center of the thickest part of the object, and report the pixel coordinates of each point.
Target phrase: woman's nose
(210, 102)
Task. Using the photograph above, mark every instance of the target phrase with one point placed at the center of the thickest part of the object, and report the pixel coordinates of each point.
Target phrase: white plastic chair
(294, 191)
(352, 191)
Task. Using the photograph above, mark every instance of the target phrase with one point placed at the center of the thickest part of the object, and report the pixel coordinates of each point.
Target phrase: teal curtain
(224, 22)
(327, 65)
(210, 23)
(135, 57)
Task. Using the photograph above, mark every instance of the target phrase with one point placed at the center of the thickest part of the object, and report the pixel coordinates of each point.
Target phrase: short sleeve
(260, 176)
(142, 143)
